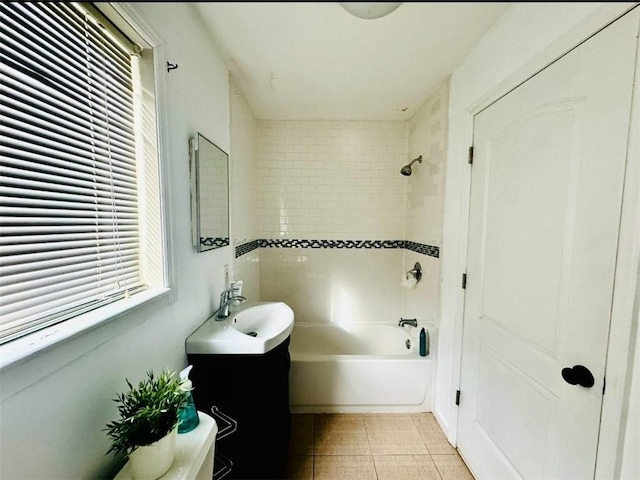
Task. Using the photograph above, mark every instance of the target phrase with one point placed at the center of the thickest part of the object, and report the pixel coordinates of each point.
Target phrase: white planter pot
(152, 461)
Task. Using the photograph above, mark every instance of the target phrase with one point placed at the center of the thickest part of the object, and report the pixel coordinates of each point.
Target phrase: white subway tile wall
(334, 285)
(425, 195)
(242, 168)
(331, 179)
(242, 160)
(247, 269)
(425, 205)
(422, 302)
(340, 180)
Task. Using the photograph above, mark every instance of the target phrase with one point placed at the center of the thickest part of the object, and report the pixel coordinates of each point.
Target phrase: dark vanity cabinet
(250, 392)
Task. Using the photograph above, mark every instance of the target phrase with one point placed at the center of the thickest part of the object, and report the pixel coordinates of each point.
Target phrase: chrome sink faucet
(408, 321)
(226, 299)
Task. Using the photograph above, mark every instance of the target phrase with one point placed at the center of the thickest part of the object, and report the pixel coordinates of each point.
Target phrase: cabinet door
(253, 390)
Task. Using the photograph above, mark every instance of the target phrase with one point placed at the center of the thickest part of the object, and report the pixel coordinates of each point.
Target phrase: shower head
(406, 170)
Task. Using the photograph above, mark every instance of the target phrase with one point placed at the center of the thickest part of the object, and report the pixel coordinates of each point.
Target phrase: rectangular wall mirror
(209, 194)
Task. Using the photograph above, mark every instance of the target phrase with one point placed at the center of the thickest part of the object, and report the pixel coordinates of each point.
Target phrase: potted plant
(146, 429)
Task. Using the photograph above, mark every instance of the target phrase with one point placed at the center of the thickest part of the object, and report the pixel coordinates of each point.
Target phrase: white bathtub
(358, 368)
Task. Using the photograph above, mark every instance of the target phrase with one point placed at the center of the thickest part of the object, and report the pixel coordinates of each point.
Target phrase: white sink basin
(250, 328)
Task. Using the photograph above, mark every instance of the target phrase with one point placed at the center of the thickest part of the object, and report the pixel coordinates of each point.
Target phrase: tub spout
(408, 321)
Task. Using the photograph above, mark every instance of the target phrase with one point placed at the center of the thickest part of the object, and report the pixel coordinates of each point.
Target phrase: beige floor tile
(356, 446)
(340, 434)
(301, 442)
(405, 467)
(397, 443)
(451, 467)
(339, 421)
(344, 468)
(393, 434)
(388, 422)
(432, 435)
(299, 467)
(345, 442)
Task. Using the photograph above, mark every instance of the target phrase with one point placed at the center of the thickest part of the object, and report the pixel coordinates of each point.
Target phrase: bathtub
(358, 368)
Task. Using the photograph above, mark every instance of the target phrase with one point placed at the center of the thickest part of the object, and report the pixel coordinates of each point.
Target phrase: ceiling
(314, 60)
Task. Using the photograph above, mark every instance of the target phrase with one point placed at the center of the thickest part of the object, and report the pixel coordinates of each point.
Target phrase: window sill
(25, 348)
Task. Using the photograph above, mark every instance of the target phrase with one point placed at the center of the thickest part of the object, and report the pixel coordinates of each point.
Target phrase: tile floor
(371, 446)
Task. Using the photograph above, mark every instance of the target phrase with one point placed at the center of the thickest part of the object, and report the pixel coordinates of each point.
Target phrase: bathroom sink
(251, 328)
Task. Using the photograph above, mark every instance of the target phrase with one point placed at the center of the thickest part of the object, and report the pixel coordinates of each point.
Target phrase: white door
(545, 206)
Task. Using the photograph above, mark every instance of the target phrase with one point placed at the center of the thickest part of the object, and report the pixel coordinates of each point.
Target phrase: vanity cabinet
(253, 391)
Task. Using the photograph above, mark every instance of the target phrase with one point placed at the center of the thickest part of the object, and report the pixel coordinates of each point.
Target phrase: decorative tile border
(247, 247)
(430, 250)
(294, 243)
(214, 242)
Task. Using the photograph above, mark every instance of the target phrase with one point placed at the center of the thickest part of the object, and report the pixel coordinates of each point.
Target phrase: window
(80, 226)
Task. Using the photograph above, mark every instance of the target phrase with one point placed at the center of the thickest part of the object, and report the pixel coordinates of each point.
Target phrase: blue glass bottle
(187, 415)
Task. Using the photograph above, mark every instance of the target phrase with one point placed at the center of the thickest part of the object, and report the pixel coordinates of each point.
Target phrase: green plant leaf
(147, 412)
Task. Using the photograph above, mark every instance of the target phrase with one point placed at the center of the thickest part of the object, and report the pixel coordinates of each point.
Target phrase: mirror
(209, 194)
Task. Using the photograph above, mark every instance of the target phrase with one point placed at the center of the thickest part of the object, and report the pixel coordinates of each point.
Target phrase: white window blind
(69, 239)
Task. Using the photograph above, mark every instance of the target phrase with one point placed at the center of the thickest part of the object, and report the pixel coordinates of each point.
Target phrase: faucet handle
(225, 295)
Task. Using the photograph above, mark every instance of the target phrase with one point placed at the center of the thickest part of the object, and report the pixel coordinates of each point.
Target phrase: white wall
(524, 40)
(55, 405)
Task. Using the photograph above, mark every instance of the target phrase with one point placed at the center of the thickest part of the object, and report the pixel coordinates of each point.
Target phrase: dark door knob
(578, 375)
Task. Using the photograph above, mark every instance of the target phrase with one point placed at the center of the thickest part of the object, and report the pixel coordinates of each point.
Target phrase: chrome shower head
(406, 170)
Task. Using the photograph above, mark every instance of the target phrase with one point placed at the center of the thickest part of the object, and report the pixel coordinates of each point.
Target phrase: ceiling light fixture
(370, 10)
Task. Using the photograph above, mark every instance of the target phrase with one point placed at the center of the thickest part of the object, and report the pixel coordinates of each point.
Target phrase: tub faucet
(226, 299)
(408, 321)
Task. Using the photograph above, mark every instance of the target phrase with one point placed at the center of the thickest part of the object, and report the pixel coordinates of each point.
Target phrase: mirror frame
(197, 188)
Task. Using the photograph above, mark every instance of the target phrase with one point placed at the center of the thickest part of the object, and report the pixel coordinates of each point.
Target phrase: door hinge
(471, 155)
(457, 397)
(464, 281)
